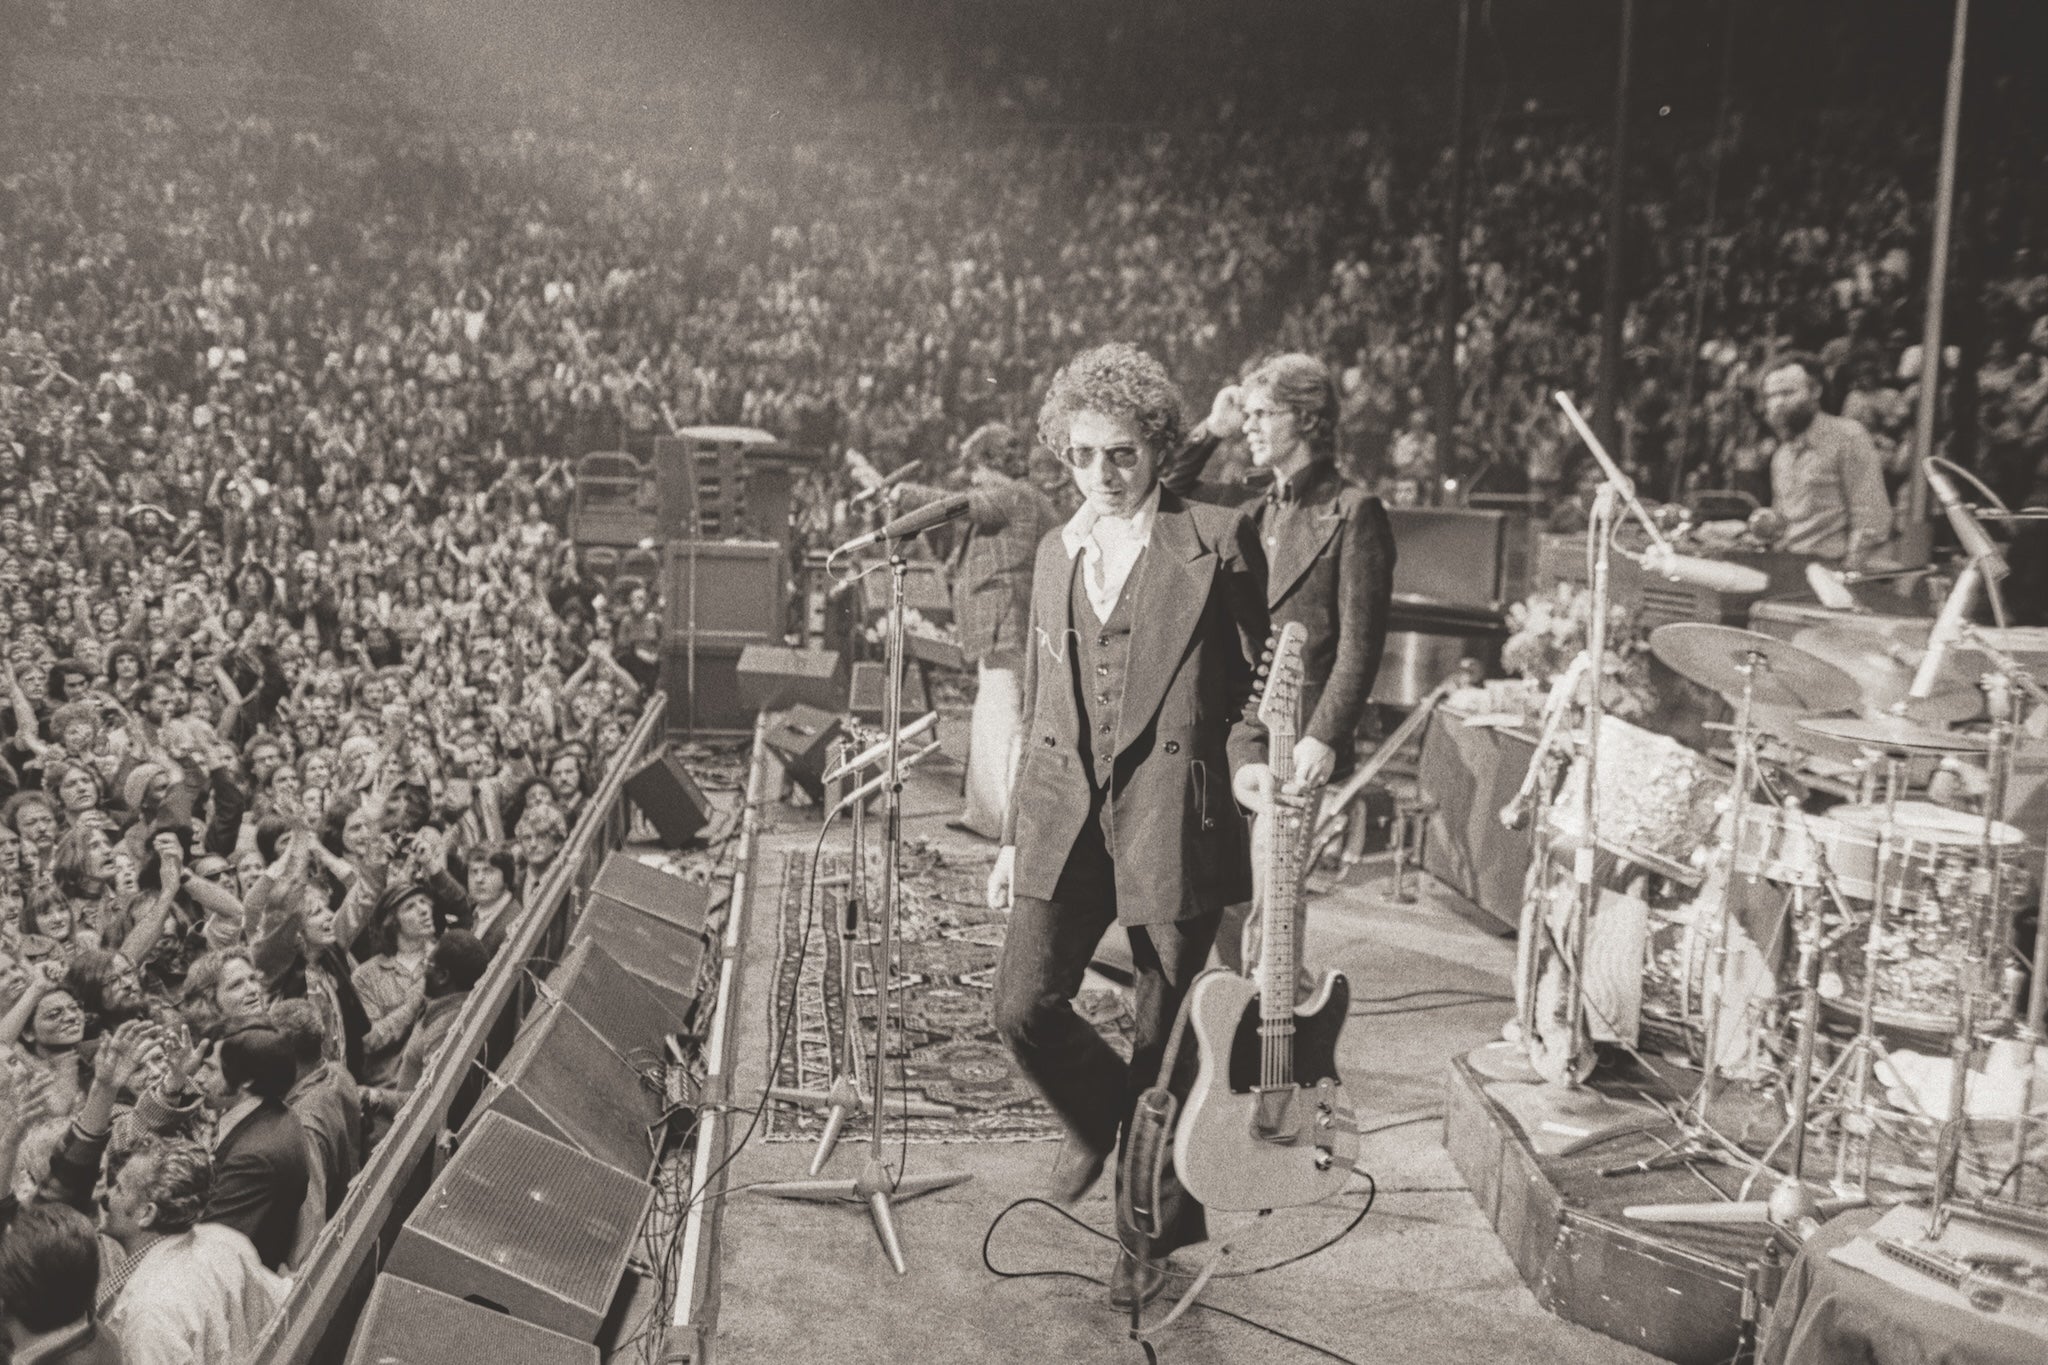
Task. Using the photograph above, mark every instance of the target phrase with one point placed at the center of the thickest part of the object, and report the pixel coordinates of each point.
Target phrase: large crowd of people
(302, 682)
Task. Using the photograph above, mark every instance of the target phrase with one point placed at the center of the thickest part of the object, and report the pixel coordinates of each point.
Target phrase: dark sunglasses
(1081, 457)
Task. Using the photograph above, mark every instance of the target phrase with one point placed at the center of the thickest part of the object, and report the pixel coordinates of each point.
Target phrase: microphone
(914, 523)
(877, 750)
(1830, 586)
(1947, 632)
(1715, 575)
(1970, 533)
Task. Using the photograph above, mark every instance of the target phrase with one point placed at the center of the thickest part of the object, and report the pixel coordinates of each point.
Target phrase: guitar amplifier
(527, 1225)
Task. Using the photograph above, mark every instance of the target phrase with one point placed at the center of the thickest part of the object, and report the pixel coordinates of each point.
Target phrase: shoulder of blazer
(1216, 527)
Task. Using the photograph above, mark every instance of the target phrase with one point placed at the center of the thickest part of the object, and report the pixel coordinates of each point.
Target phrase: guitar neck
(1279, 957)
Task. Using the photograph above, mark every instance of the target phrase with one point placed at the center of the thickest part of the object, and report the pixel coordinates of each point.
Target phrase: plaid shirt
(992, 560)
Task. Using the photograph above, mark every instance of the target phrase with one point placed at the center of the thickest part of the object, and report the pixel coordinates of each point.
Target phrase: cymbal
(1894, 734)
(1883, 662)
(1783, 674)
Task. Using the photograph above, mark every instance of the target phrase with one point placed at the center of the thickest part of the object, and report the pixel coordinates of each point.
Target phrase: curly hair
(180, 1180)
(1301, 384)
(1116, 380)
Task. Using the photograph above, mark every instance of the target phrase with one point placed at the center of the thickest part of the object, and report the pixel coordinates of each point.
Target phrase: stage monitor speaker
(525, 1224)
(566, 1080)
(409, 1324)
(936, 651)
(801, 739)
(663, 791)
(655, 929)
(867, 697)
(648, 889)
(773, 677)
(628, 1011)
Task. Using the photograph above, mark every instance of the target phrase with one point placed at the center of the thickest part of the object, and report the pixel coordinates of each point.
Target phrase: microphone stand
(1559, 1115)
(877, 1186)
(844, 1097)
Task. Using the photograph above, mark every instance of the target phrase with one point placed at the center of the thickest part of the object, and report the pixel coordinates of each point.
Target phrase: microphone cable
(1150, 1350)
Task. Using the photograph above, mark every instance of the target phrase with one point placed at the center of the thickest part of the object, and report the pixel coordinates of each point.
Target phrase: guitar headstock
(1281, 699)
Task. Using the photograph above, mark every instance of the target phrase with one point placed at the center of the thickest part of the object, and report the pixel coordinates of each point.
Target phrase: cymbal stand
(1716, 988)
(1792, 1203)
(1863, 1049)
(1988, 944)
(877, 1185)
(844, 1097)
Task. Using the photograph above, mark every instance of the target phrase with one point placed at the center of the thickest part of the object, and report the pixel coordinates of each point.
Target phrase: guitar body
(1237, 1149)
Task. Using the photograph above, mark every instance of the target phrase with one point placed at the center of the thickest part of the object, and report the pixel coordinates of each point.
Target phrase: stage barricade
(329, 1293)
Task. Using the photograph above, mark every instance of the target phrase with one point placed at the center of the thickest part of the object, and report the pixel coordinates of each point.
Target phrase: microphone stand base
(873, 1188)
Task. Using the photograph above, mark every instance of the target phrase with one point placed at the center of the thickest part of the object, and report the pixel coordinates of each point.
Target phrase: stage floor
(1424, 1278)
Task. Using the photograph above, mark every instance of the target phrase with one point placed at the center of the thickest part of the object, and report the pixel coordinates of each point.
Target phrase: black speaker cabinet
(1451, 556)
(867, 697)
(527, 1225)
(936, 651)
(675, 484)
(740, 590)
(801, 738)
(705, 695)
(650, 921)
(629, 1011)
(563, 1078)
(670, 798)
(772, 677)
(409, 1324)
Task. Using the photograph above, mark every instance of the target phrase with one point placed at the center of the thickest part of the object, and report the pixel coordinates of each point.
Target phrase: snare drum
(1790, 848)
(1656, 798)
(1923, 889)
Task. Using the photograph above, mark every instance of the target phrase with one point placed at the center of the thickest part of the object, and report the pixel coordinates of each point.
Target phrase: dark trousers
(1045, 954)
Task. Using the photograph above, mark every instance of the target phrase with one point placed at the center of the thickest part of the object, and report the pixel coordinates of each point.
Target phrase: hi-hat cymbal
(1723, 658)
(1893, 735)
(1883, 662)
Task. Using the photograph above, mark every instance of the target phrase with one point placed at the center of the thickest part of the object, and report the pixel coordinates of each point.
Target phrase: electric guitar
(1266, 1125)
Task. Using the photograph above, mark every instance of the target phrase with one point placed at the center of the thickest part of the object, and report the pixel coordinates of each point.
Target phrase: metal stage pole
(1919, 540)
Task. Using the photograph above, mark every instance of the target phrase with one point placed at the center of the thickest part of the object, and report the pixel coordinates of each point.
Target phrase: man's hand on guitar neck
(1314, 761)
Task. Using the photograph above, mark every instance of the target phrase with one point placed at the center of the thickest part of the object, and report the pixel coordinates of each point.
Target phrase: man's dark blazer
(1187, 720)
(259, 1181)
(1338, 580)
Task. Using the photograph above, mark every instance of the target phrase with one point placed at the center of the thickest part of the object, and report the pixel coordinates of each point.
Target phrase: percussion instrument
(1893, 734)
(1657, 799)
(1726, 660)
(1787, 848)
(1882, 659)
(1924, 884)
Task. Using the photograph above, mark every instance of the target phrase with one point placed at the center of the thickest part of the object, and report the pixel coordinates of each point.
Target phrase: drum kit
(1902, 909)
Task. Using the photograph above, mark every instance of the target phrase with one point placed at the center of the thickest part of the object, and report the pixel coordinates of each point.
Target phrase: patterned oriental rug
(943, 1040)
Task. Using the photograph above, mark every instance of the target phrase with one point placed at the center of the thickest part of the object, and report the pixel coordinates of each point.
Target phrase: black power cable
(1151, 1352)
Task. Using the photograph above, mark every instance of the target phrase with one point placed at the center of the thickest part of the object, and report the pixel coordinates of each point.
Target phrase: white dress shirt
(1109, 547)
